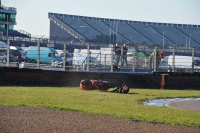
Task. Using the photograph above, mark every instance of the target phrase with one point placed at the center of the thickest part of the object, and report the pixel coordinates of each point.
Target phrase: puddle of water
(162, 102)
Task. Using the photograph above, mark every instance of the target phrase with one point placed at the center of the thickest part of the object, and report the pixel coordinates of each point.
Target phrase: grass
(104, 103)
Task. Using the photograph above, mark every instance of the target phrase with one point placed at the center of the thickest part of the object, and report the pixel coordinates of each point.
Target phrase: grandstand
(108, 31)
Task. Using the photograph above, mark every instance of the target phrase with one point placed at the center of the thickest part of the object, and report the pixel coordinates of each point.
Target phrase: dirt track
(39, 120)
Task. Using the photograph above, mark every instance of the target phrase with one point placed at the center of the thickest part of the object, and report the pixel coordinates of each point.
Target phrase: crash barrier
(39, 77)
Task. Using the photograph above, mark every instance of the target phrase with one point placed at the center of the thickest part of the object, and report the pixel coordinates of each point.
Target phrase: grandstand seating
(98, 25)
(80, 26)
(192, 32)
(134, 32)
(148, 32)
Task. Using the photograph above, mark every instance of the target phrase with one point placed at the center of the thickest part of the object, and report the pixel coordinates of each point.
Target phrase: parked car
(3, 45)
(18, 51)
(3, 57)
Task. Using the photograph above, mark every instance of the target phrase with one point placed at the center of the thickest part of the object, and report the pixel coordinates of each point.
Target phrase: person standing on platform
(117, 51)
(124, 55)
(154, 58)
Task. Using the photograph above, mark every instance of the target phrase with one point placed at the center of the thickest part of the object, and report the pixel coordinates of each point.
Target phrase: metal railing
(103, 60)
(8, 8)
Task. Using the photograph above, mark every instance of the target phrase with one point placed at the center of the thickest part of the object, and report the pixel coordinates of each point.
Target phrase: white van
(181, 63)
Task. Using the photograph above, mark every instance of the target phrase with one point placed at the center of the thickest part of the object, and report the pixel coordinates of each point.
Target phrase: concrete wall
(35, 77)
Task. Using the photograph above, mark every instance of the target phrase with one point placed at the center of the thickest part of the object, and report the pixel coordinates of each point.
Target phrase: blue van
(47, 55)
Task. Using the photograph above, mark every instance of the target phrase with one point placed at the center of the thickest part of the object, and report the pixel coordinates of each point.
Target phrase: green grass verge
(104, 103)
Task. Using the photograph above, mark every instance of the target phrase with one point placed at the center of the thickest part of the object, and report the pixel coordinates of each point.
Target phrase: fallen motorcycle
(95, 84)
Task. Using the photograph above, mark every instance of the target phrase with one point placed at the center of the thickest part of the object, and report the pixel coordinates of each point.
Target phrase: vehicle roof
(15, 47)
(3, 44)
(42, 49)
(182, 57)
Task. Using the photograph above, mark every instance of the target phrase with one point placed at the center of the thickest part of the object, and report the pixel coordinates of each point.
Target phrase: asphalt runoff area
(178, 103)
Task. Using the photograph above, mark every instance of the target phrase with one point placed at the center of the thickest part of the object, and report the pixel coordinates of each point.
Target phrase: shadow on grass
(130, 93)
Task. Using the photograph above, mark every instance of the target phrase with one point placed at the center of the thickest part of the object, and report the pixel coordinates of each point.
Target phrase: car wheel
(4, 60)
(33, 61)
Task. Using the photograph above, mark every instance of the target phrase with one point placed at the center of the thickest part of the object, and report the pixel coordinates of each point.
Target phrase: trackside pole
(133, 67)
(155, 60)
(38, 54)
(8, 53)
(111, 65)
(192, 59)
(100, 57)
(173, 60)
(104, 60)
(64, 54)
(88, 56)
(162, 85)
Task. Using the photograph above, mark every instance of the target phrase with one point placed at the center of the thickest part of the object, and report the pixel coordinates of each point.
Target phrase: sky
(32, 15)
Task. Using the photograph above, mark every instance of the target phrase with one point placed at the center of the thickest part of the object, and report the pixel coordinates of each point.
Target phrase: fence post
(100, 57)
(173, 60)
(111, 67)
(155, 59)
(64, 54)
(105, 60)
(88, 56)
(192, 59)
(38, 54)
(8, 53)
(162, 85)
(133, 67)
